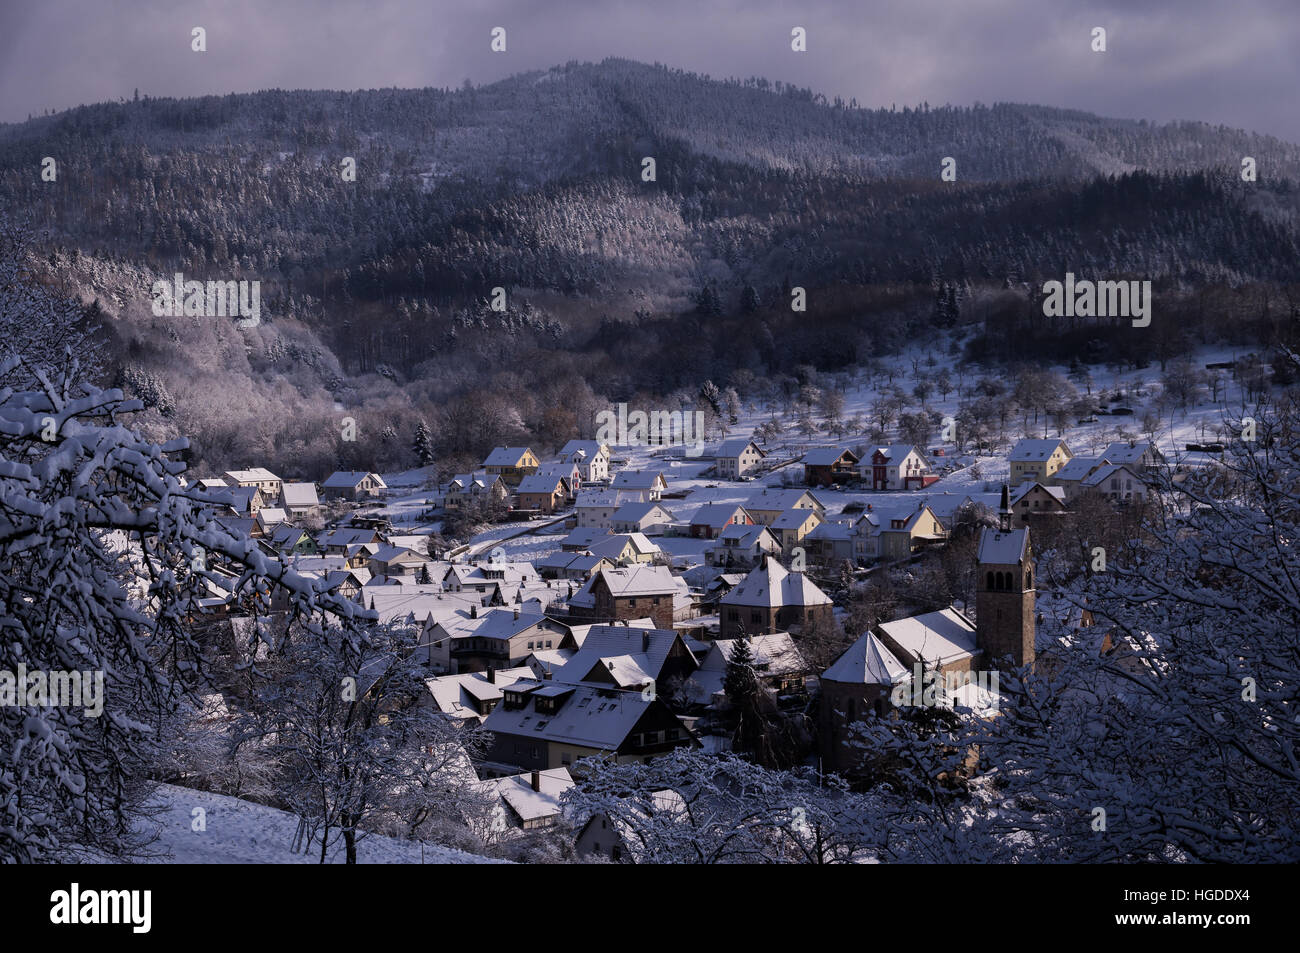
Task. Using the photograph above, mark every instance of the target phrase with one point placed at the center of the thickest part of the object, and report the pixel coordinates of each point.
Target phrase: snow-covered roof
(793, 518)
(505, 456)
(638, 480)
(299, 494)
(1036, 449)
(255, 475)
(1057, 492)
(1129, 452)
(825, 456)
(539, 483)
(1077, 468)
(1002, 547)
(456, 695)
(716, 515)
(635, 512)
(735, 446)
(589, 448)
(636, 580)
(1105, 473)
(350, 479)
(774, 499)
(590, 717)
(897, 452)
(611, 547)
(529, 805)
(770, 585)
(632, 656)
(937, 637)
(867, 661)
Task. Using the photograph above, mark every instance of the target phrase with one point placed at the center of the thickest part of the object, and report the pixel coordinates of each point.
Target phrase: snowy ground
(240, 832)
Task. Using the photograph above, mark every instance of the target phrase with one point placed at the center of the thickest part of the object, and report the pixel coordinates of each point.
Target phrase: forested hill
(376, 288)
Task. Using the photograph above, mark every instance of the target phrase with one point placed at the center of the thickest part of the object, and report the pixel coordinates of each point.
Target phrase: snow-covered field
(241, 832)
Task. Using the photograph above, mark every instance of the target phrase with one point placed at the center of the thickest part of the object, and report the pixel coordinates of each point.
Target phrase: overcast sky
(1235, 62)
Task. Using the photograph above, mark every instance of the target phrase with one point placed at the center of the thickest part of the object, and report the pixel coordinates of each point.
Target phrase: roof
(1106, 472)
(1031, 449)
(505, 456)
(634, 656)
(529, 805)
(825, 456)
(794, 518)
(735, 446)
(782, 500)
(349, 479)
(589, 448)
(611, 547)
(770, 585)
(867, 662)
(1002, 547)
(539, 483)
(636, 580)
(598, 498)
(270, 515)
(591, 717)
(638, 480)
(1125, 452)
(1076, 468)
(299, 494)
(1056, 492)
(716, 515)
(744, 534)
(455, 694)
(936, 637)
(388, 554)
(635, 512)
(255, 475)
(898, 451)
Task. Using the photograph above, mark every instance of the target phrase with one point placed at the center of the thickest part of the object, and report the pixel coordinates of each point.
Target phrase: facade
(712, 518)
(546, 494)
(900, 466)
(260, 477)
(737, 457)
(826, 466)
(905, 536)
(591, 456)
(1033, 499)
(632, 592)
(354, 485)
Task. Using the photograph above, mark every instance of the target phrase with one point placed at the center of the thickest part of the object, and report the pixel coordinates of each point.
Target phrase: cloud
(1167, 59)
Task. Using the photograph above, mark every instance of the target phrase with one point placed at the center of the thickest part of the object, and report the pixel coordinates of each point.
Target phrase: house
(776, 662)
(1032, 498)
(899, 466)
(545, 494)
(337, 542)
(260, 477)
(511, 464)
(591, 457)
(574, 566)
(630, 592)
(712, 518)
(943, 640)
(625, 549)
(522, 802)
(772, 599)
(855, 540)
(300, 500)
(544, 725)
(399, 561)
(1038, 460)
(641, 518)
(581, 538)
(1134, 455)
(246, 500)
(825, 466)
(628, 658)
(793, 525)
(742, 545)
(475, 487)
(496, 638)
(269, 517)
(906, 535)
(767, 506)
(567, 471)
(857, 684)
(487, 575)
(1119, 484)
(291, 540)
(647, 485)
(353, 485)
(737, 457)
(596, 508)
(610, 836)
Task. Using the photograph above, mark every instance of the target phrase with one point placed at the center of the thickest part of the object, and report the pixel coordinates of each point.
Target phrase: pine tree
(423, 444)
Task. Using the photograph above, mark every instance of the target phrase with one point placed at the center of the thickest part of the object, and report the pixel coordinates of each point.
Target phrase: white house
(591, 456)
(899, 466)
(355, 485)
(737, 457)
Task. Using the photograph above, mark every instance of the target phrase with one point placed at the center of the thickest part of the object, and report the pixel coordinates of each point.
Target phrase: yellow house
(512, 464)
(793, 525)
(906, 534)
(1038, 460)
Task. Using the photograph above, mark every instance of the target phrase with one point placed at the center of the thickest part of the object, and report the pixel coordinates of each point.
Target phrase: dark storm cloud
(1231, 63)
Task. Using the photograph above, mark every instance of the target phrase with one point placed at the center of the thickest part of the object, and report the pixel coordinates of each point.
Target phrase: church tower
(1004, 593)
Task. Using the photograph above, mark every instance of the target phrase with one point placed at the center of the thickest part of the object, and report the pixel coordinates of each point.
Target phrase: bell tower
(1004, 593)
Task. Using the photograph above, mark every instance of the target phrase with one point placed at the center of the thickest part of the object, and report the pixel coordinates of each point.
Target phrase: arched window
(1029, 579)
(988, 581)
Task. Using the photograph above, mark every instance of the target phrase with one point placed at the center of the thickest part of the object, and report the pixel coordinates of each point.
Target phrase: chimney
(645, 641)
(868, 507)
(492, 676)
(537, 780)
(516, 612)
